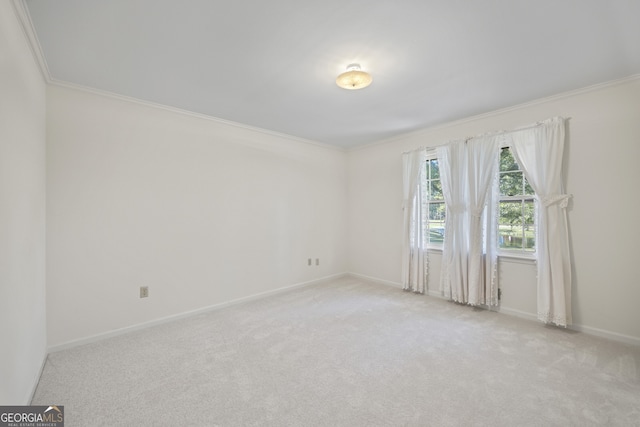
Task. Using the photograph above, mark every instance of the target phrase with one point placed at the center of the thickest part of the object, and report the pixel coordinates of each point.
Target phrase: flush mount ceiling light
(354, 78)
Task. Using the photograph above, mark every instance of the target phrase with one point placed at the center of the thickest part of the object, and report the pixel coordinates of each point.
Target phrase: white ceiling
(272, 64)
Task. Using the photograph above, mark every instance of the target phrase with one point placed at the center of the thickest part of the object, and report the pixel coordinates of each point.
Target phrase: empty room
(329, 213)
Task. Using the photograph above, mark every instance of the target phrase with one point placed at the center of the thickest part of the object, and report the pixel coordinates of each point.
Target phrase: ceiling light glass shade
(354, 78)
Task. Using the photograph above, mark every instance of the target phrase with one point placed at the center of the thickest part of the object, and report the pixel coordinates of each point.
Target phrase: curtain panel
(453, 175)
(539, 152)
(414, 255)
(469, 261)
(470, 182)
(482, 156)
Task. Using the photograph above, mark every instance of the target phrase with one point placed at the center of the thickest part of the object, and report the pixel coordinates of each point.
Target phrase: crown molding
(22, 13)
(551, 98)
(28, 29)
(175, 110)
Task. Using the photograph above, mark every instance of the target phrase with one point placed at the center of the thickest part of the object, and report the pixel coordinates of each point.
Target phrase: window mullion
(515, 202)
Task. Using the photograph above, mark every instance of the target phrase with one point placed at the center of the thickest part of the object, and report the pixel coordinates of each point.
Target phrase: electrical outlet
(144, 291)
(317, 261)
(309, 261)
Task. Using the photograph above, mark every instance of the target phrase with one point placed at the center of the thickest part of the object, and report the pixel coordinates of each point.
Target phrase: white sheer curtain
(469, 177)
(453, 175)
(469, 260)
(491, 282)
(539, 152)
(414, 265)
(482, 154)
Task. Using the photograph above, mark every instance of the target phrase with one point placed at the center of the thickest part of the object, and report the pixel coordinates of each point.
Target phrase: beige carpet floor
(346, 353)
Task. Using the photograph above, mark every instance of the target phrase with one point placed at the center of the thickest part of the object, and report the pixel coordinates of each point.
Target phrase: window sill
(517, 258)
(514, 258)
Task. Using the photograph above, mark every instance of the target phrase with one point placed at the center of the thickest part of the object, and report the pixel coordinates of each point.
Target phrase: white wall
(22, 214)
(602, 174)
(200, 211)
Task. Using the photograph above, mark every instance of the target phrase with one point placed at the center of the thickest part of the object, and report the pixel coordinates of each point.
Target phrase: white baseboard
(155, 322)
(517, 313)
(376, 280)
(614, 336)
(430, 292)
(36, 381)
(437, 294)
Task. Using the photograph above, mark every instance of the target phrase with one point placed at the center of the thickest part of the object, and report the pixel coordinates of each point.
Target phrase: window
(435, 212)
(516, 222)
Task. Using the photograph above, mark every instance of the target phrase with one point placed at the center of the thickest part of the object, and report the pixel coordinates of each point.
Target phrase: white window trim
(511, 255)
(515, 254)
(432, 247)
(520, 257)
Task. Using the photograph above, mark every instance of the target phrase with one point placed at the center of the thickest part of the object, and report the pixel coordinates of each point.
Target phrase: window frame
(515, 253)
(428, 202)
